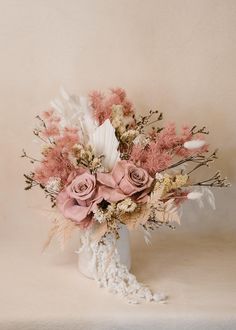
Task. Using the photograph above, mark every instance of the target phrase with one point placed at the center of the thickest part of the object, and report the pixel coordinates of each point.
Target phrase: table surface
(196, 271)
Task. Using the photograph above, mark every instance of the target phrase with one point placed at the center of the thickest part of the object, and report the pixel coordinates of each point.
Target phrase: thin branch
(45, 126)
(206, 162)
(24, 155)
(202, 130)
(214, 181)
(36, 133)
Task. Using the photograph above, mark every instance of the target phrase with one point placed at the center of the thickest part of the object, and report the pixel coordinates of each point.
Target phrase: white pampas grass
(105, 143)
(88, 124)
(194, 144)
(75, 111)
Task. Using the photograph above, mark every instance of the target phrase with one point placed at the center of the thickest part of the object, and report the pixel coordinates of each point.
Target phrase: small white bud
(194, 144)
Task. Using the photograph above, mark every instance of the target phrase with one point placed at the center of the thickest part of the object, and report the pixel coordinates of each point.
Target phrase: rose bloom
(127, 177)
(78, 199)
(82, 194)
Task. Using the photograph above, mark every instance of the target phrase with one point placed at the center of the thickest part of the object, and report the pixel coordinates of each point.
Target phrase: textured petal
(76, 212)
(118, 171)
(106, 179)
(70, 208)
(110, 194)
(127, 187)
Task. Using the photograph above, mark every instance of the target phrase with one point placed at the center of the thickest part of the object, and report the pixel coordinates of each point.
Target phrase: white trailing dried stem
(109, 273)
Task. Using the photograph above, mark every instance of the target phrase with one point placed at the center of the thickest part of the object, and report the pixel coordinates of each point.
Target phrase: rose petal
(107, 179)
(118, 171)
(76, 212)
(127, 187)
(85, 179)
(110, 194)
(70, 208)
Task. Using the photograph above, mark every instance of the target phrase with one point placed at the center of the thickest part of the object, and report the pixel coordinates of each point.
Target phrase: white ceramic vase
(85, 257)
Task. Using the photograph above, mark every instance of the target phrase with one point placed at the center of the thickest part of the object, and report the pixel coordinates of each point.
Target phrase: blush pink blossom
(163, 147)
(128, 178)
(79, 199)
(102, 105)
(55, 162)
(82, 194)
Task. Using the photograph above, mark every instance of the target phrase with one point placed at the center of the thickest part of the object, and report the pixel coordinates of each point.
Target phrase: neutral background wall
(178, 56)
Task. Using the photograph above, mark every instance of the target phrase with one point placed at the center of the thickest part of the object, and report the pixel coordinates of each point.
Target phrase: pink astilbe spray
(150, 158)
(102, 105)
(51, 122)
(55, 162)
(164, 146)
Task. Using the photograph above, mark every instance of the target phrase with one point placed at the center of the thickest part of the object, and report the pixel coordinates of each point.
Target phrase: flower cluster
(103, 165)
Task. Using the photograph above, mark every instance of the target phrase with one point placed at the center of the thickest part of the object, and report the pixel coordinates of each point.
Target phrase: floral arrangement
(101, 166)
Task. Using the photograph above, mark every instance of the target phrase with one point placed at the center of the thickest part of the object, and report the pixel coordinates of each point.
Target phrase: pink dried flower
(164, 146)
(50, 116)
(51, 126)
(56, 160)
(151, 158)
(102, 105)
(51, 131)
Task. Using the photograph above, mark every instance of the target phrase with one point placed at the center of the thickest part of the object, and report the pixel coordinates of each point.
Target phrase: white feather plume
(75, 111)
(88, 123)
(105, 143)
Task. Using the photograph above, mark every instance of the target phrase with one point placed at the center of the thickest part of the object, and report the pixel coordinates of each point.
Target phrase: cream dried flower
(73, 159)
(117, 111)
(53, 185)
(102, 215)
(180, 181)
(96, 163)
(116, 122)
(126, 206)
(169, 182)
(141, 139)
(117, 119)
(45, 149)
(129, 136)
(99, 215)
(77, 148)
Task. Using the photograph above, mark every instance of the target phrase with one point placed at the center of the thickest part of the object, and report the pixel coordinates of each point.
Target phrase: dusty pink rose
(82, 188)
(82, 194)
(127, 178)
(79, 198)
(130, 178)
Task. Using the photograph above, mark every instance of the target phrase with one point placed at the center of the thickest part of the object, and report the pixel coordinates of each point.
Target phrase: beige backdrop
(177, 56)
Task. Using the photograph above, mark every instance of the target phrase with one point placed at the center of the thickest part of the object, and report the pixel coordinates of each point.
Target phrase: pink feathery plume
(56, 157)
(102, 105)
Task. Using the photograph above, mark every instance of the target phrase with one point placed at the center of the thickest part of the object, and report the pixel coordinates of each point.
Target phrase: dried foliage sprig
(32, 159)
(195, 130)
(201, 160)
(215, 181)
(145, 121)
